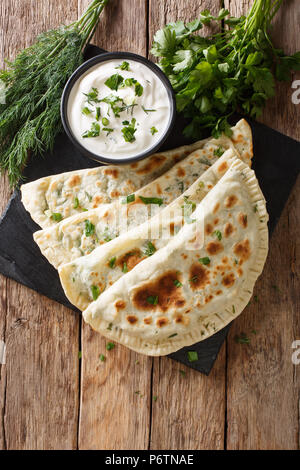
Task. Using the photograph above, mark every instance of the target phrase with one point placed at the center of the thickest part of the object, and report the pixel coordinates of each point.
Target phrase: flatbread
(135, 245)
(199, 282)
(72, 238)
(57, 197)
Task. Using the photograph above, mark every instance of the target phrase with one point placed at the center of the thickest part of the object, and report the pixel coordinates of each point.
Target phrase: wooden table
(49, 399)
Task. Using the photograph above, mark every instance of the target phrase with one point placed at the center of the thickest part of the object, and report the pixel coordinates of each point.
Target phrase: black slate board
(276, 162)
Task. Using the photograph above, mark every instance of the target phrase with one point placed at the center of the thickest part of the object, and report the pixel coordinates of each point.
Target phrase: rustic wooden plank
(39, 383)
(263, 384)
(190, 411)
(112, 415)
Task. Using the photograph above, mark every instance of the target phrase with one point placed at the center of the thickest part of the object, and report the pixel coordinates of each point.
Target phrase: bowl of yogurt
(118, 108)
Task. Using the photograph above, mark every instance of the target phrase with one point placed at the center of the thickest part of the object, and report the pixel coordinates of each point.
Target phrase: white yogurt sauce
(149, 125)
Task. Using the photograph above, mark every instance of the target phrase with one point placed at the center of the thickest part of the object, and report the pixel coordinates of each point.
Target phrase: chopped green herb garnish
(108, 130)
(173, 335)
(192, 356)
(151, 200)
(255, 208)
(86, 111)
(129, 131)
(219, 152)
(123, 66)
(112, 262)
(182, 372)
(130, 81)
(105, 121)
(92, 96)
(76, 203)
(177, 283)
(147, 111)
(256, 298)
(102, 358)
(218, 234)
(153, 130)
(138, 89)
(56, 216)
(89, 228)
(114, 81)
(125, 268)
(125, 123)
(152, 299)
(109, 327)
(155, 397)
(193, 279)
(233, 309)
(128, 199)
(95, 292)
(150, 250)
(98, 113)
(110, 346)
(88, 196)
(79, 354)
(242, 339)
(93, 132)
(205, 260)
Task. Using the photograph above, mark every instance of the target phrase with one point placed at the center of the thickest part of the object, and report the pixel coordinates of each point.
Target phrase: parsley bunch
(34, 82)
(228, 71)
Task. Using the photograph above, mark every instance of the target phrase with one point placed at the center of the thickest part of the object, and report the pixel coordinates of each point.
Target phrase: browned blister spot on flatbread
(172, 228)
(219, 292)
(223, 167)
(120, 304)
(114, 172)
(239, 138)
(199, 276)
(243, 220)
(154, 162)
(209, 298)
(148, 320)
(164, 288)
(115, 193)
(208, 229)
(158, 189)
(216, 221)
(132, 319)
(216, 208)
(74, 181)
(132, 258)
(228, 230)
(180, 319)
(162, 321)
(230, 201)
(228, 280)
(134, 165)
(242, 250)
(180, 172)
(213, 248)
(96, 201)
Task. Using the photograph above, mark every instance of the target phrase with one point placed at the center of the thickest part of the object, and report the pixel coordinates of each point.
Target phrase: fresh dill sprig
(34, 82)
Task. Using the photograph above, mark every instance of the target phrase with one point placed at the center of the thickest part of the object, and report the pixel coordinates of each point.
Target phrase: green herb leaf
(151, 200)
(114, 81)
(112, 262)
(76, 203)
(89, 228)
(177, 283)
(105, 121)
(138, 89)
(123, 66)
(92, 96)
(205, 260)
(153, 130)
(129, 131)
(152, 299)
(218, 234)
(102, 358)
(147, 111)
(95, 292)
(110, 346)
(192, 356)
(86, 111)
(128, 199)
(93, 132)
(125, 268)
(56, 216)
(150, 250)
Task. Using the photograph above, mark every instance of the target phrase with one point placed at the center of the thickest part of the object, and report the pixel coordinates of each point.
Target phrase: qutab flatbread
(180, 295)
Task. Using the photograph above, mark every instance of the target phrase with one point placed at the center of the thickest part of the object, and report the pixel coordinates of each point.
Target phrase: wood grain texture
(39, 383)
(262, 383)
(112, 415)
(187, 415)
